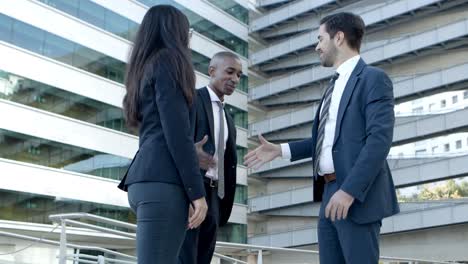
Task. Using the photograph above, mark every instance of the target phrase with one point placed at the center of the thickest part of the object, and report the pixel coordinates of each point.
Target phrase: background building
(423, 46)
(64, 145)
(63, 142)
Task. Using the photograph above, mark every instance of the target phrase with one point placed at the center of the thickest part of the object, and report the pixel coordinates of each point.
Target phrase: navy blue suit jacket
(363, 137)
(205, 126)
(167, 151)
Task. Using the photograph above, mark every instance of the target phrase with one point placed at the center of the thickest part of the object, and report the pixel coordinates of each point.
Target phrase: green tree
(449, 190)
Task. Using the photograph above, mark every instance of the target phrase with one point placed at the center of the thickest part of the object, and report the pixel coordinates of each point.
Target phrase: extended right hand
(199, 213)
(205, 160)
(266, 152)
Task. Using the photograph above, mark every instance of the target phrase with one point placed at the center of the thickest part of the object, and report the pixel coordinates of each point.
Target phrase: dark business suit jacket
(167, 152)
(205, 126)
(363, 137)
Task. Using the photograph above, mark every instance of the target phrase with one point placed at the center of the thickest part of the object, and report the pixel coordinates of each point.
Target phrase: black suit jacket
(167, 151)
(205, 126)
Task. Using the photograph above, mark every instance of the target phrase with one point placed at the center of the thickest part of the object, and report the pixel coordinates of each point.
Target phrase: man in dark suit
(351, 137)
(215, 134)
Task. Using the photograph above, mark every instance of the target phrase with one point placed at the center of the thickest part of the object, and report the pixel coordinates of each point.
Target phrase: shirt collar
(348, 66)
(213, 96)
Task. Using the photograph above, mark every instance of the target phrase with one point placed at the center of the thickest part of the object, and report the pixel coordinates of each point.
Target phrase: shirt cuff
(285, 151)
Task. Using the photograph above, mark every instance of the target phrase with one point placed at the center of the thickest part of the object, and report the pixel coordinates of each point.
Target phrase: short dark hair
(225, 54)
(350, 24)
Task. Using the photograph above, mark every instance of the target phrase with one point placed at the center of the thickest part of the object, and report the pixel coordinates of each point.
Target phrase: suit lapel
(231, 130)
(208, 110)
(348, 91)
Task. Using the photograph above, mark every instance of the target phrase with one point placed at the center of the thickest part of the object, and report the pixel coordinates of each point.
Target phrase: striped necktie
(323, 116)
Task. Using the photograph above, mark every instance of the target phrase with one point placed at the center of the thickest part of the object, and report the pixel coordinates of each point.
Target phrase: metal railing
(64, 221)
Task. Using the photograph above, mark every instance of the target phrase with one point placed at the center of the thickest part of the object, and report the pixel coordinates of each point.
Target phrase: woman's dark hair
(163, 35)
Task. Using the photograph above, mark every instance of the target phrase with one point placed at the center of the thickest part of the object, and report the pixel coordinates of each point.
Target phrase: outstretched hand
(264, 153)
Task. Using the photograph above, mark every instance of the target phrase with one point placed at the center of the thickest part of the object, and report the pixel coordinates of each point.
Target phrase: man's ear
(339, 38)
(211, 71)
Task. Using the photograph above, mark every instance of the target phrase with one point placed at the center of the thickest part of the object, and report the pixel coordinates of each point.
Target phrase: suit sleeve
(380, 120)
(301, 149)
(175, 120)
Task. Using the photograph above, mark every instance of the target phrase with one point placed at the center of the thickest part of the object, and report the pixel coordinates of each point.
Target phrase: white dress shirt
(326, 165)
(213, 172)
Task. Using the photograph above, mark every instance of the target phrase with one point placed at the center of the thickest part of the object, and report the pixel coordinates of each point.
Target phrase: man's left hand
(338, 206)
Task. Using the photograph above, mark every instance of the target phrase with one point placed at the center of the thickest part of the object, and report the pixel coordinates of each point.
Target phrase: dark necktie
(323, 116)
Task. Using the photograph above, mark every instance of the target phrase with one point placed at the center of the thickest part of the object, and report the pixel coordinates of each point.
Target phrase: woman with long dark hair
(164, 178)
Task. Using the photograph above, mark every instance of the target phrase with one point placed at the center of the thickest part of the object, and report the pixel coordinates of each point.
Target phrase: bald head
(225, 71)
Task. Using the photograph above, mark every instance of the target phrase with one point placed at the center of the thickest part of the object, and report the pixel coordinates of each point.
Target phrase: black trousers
(199, 244)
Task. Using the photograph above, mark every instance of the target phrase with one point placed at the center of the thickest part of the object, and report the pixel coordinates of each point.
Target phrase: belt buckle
(212, 183)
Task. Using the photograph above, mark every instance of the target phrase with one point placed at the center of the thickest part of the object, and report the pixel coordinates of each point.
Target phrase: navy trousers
(343, 241)
(162, 220)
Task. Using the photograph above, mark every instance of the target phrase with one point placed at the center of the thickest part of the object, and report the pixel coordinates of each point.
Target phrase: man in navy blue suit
(351, 137)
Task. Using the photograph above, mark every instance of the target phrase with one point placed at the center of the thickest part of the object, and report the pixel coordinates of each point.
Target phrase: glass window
(35, 208)
(58, 49)
(458, 144)
(119, 25)
(418, 110)
(443, 103)
(446, 147)
(454, 99)
(200, 62)
(233, 233)
(97, 15)
(241, 152)
(434, 149)
(68, 6)
(465, 95)
(244, 84)
(55, 47)
(240, 116)
(420, 152)
(207, 28)
(45, 97)
(233, 8)
(27, 37)
(92, 13)
(241, 194)
(6, 24)
(30, 149)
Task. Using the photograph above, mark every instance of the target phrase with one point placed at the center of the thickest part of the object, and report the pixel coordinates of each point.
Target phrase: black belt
(210, 182)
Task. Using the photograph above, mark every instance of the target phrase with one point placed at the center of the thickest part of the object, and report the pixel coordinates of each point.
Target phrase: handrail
(257, 247)
(69, 245)
(271, 193)
(83, 258)
(128, 259)
(233, 260)
(104, 220)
